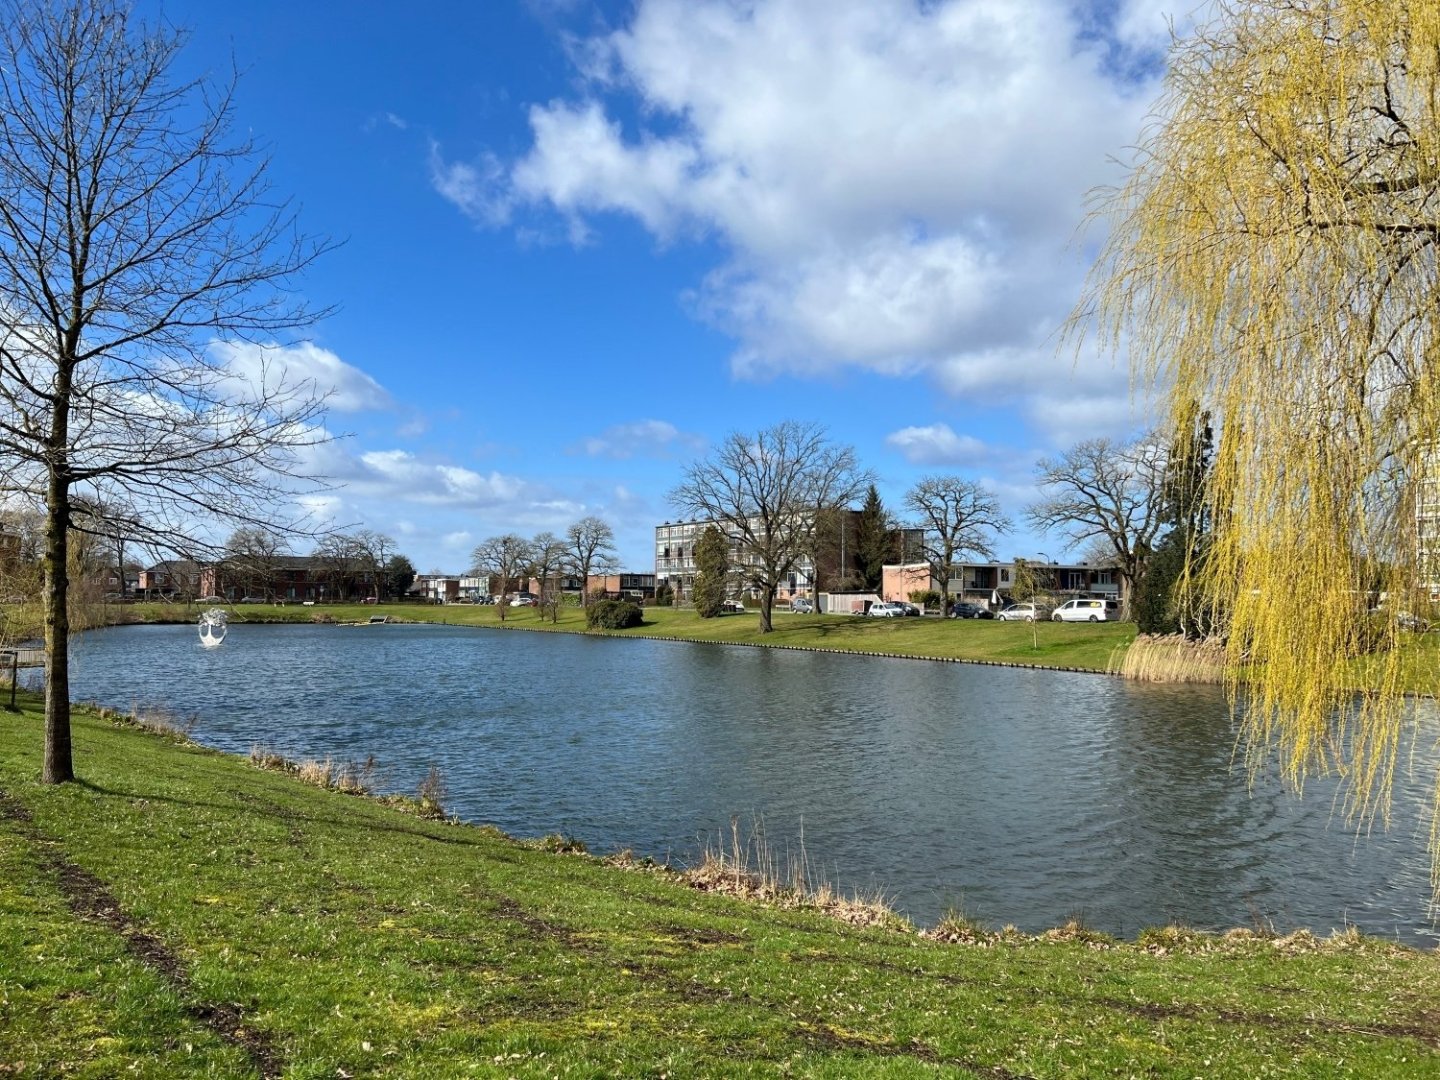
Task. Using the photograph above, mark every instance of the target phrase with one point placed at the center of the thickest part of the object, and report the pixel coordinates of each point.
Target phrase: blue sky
(583, 242)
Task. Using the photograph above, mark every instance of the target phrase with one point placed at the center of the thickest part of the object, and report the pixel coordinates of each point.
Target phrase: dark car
(963, 610)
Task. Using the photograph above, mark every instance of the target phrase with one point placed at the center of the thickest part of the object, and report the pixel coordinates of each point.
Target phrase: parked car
(884, 609)
(1087, 611)
(1020, 613)
(964, 610)
(1405, 620)
(737, 606)
(523, 601)
(801, 606)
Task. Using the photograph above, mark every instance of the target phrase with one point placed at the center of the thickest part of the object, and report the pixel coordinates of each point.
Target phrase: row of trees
(587, 549)
(347, 563)
(780, 499)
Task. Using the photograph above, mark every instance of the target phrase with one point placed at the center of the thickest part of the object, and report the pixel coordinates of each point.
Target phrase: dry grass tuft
(155, 720)
(1076, 932)
(1171, 658)
(432, 794)
(347, 777)
(748, 867)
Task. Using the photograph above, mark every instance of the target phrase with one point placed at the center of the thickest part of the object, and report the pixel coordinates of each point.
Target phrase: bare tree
(253, 554)
(1100, 491)
(768, 492)
(958, 518)
(336, 555)
(505, 557)
(135, 231)
(592, 551)
(547, 557)
(372, 551)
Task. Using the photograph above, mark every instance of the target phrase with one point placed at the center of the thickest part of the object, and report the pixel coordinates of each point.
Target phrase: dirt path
(90, 899)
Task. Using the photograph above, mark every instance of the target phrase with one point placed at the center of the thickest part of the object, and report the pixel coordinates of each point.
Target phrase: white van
(1087, 611)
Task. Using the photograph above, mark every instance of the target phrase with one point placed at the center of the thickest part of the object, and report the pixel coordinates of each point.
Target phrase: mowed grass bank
(180, 913)
(1083, 646)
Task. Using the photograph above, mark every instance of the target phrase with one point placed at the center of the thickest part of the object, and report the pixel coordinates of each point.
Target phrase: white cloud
(897, 184)
(642, 438)
(349, 388)
(477, 189)
(937, 444)
(390, 119)
(409, 478)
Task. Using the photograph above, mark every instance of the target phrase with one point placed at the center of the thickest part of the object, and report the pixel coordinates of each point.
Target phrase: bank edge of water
(1115, 665)
(328, 618)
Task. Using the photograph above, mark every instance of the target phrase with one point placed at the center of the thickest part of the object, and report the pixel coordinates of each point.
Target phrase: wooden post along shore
(15, 659)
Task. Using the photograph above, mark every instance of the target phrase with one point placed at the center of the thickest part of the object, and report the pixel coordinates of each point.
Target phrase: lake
(1018, 796)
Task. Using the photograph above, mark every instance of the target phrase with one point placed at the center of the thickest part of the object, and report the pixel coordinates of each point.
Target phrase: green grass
(352, 939)
(1045, 644)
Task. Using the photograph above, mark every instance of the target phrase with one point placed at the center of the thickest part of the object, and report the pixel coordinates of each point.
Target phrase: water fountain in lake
(213, 625)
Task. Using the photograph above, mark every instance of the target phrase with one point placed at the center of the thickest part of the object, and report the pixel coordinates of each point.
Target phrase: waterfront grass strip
(1070, 646)
(358, 940)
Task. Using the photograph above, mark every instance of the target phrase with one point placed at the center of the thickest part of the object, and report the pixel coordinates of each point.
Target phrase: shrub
(664, 595)
(432, 794)
(613, 615)
(925, 598)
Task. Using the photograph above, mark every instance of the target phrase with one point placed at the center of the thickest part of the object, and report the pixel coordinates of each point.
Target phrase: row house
(281, 578)
(622, 586)
(989, 584)
(173, 579)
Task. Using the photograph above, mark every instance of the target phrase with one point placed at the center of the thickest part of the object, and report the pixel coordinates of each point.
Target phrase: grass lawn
(1045, 644)
(181, 913)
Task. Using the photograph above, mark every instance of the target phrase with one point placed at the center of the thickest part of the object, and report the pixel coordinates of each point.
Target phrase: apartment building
(675, 556)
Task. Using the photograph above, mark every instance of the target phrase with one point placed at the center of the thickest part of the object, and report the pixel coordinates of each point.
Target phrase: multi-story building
(675, 556)
(675, 560)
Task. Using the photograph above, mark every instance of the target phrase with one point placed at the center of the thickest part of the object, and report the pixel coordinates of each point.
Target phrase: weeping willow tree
(1273, 258)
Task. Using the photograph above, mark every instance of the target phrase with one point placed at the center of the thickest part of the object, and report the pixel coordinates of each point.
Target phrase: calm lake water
(1022, 797)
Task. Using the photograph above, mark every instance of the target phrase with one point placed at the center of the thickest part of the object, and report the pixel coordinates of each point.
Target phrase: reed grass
(347, 777)
(1170, 658)
(746, 864)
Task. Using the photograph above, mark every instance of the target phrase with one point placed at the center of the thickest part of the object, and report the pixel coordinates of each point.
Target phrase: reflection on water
(1023, 797)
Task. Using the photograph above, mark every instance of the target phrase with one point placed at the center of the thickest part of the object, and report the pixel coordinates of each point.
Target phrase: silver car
(1019, 613)
(883, 609)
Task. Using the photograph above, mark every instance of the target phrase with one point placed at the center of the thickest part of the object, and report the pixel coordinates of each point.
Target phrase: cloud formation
(348, 388)
(937, 444)
(896, 184)
(642, 438)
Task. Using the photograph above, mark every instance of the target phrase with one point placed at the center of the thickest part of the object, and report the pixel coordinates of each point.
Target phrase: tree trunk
(767, 606)
(58, 766)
